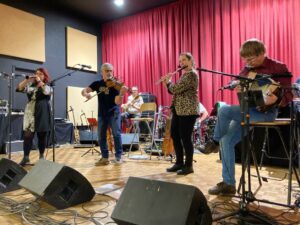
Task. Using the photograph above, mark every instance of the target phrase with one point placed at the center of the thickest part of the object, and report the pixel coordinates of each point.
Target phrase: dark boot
(174, 168)
(185, 170)
(24, 161)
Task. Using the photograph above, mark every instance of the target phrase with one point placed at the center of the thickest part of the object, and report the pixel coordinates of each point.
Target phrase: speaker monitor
(16, 146)
(10, 175)
(87, 136)
(152, 202)
(128, 138)
(59, 185)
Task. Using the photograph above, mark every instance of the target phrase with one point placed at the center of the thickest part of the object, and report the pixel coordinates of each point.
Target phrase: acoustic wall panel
(22, 34)
(81, 49)
(79, 108)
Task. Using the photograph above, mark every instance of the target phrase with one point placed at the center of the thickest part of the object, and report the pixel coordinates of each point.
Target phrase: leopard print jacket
(185, 94)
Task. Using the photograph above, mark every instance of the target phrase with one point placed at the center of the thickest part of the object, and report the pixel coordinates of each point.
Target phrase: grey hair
(106, 65)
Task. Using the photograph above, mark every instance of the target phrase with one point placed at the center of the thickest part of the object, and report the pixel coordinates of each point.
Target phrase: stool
(276, 126)
(149, 107)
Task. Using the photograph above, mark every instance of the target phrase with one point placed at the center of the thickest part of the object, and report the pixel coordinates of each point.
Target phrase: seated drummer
(132, 108)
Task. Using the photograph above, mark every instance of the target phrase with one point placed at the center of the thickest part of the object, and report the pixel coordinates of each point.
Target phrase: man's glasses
(250, 59)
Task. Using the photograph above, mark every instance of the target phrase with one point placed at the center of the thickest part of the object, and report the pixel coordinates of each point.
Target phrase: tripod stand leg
(263, 150)
(256, 168)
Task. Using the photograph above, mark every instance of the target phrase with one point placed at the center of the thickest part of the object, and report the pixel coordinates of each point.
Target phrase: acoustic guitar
(167, 145)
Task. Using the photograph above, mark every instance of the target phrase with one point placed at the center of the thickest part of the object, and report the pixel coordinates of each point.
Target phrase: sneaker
(222, 189)
(185, 170)
(174, 168)
(102, 162)
(24, 161)
(117, 161)
(210, 147)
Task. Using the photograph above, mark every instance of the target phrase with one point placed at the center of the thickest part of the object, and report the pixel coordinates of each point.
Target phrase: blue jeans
(114, 121)
(228, 133)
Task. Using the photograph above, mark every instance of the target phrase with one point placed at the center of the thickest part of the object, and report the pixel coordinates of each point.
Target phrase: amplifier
(87, 136)
(128, 138)
(16, 146)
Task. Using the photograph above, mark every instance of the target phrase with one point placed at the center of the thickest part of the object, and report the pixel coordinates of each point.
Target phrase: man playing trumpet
(132, 108)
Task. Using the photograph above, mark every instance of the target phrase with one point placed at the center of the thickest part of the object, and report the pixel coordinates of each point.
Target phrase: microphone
(3, 74)
(85, 66)
(229, 86)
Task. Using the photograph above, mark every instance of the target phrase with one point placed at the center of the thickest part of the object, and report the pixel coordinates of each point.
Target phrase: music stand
(92, 124)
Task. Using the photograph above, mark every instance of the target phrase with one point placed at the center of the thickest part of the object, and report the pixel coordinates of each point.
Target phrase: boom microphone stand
(52, 85)
(246, 196)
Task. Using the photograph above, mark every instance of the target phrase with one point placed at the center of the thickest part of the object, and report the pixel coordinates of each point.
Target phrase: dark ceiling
(105, 10)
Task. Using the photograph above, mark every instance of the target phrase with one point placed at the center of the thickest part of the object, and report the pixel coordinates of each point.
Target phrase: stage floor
(207, 173)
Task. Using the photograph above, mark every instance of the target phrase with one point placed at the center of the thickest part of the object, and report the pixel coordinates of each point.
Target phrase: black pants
(181, 133)
(28, 138)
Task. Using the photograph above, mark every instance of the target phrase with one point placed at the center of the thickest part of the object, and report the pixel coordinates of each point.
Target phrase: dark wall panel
(56, 21)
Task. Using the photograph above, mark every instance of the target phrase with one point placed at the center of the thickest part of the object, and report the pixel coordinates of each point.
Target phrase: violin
(113, 82)
(134, 100)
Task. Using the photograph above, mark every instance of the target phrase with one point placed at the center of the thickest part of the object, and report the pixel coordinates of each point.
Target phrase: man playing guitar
(132, 108)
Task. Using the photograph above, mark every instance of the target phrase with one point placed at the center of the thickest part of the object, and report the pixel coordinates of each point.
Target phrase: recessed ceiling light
(119, 2)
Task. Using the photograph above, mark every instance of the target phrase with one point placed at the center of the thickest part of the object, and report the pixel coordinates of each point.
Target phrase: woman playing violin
(185, 111)
(110, 97)
(37, 111)
(132, 108)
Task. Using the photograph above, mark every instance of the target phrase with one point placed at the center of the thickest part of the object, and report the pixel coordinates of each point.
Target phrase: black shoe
(185, 170)
(174, 168)
(210, 147)
(24, 161)
(222, 189)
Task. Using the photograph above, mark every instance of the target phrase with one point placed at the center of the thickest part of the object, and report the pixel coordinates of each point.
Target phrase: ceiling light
(119, 2)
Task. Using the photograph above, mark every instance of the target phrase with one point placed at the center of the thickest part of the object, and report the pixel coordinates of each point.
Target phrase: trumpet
(173, 73)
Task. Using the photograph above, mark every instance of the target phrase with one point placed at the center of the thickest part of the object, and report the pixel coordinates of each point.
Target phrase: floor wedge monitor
(59, 185)
(153, 202)
(10, 175)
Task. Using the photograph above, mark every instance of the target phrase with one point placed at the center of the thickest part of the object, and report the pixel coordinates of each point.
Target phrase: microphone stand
(52, 85)
(246, 196)
(10, 100)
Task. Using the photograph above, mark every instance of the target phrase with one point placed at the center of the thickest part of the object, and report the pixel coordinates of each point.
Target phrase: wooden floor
(29, 210)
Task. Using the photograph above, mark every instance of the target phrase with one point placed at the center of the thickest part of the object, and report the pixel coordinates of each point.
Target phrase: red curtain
(145, 46)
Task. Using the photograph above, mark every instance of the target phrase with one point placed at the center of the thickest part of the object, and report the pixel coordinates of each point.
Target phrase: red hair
(46, 74)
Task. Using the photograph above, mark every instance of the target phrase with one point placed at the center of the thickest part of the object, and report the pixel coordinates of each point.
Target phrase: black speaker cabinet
(152, 202)
(59, 185)
(10, 175)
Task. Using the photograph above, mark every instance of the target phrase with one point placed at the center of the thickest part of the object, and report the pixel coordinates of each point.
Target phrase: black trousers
(28, 138)
(181, 133)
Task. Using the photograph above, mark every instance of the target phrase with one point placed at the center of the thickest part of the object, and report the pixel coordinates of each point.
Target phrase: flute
(176, 71)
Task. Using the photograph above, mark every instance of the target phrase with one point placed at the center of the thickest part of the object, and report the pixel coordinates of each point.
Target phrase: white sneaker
(117, 161)
(102, 162)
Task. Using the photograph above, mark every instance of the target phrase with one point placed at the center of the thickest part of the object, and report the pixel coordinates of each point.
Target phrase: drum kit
(203, 132)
